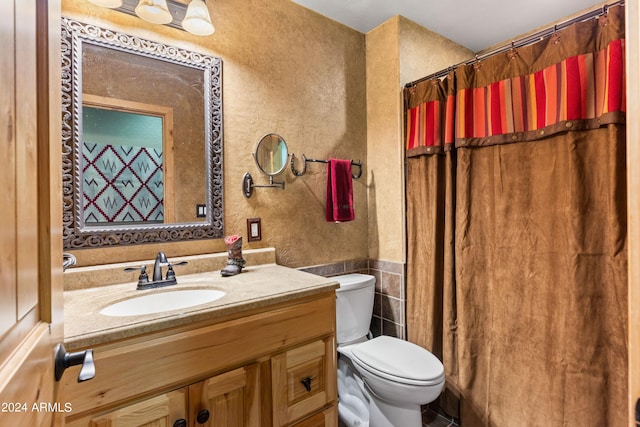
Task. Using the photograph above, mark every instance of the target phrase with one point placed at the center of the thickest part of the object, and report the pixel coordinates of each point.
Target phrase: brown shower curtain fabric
(516, 222)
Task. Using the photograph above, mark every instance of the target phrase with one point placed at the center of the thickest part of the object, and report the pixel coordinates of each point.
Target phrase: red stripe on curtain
(430, 125)
(615, 74)
(574, 107)
(495, 110)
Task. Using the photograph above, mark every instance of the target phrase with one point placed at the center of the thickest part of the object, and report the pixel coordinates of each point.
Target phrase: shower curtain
(516, 224)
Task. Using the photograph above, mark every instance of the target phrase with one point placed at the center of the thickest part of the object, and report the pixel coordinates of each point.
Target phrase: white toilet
(382, 382)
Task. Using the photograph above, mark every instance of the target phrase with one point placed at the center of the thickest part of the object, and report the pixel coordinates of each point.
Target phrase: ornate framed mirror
(141, 140)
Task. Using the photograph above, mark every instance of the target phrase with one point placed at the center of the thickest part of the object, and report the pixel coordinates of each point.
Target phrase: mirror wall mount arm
(248, 185)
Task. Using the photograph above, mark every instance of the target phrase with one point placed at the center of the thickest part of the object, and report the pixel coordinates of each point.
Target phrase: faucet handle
(171, 275)
(143, 278)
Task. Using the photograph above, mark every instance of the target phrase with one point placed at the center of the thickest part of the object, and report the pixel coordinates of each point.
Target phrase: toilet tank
(354, 306)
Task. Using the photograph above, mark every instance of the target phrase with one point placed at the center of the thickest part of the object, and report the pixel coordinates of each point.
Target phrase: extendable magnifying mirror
(271, 156)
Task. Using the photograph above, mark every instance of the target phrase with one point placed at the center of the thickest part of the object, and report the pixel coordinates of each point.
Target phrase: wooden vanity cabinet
(230, 399)
(275, 367)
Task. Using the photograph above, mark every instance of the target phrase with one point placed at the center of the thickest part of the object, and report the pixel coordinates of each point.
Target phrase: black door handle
(63, 360)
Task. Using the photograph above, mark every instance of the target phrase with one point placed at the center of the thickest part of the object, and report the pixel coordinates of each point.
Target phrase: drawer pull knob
(180, 423)
(306, 382)
(203, 416)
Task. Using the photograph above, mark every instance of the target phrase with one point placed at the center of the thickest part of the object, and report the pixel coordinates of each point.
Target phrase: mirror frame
(75, 234)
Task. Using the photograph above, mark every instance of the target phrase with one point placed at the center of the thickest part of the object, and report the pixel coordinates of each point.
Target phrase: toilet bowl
(382, 382)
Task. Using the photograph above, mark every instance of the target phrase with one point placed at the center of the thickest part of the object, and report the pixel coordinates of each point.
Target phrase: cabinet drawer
(326, 418)
(303, 380)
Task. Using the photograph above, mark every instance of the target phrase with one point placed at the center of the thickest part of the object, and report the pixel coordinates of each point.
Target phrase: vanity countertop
(257, 286)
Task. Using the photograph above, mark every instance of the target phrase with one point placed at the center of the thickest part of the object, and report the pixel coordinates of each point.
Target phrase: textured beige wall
(398, 51)
(384, 150)
(285, 70)
(424, 52)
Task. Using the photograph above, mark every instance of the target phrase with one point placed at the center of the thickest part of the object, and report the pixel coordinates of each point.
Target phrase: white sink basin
(162, 301)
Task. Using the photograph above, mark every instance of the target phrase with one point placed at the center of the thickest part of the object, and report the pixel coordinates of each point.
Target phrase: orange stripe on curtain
(480, 107)
(550, 75)
(582, 87)
(540, 102)
(449, 122)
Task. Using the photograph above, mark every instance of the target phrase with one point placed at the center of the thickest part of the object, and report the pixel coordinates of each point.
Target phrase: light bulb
(154, 11)
(197, 20)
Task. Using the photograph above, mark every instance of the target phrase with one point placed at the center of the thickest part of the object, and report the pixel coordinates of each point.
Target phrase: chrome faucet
(157, 280)
(161, 259)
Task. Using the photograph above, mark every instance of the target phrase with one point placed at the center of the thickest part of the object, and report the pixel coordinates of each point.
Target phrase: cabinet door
(303, 381)
(231, 399)
(159, 411)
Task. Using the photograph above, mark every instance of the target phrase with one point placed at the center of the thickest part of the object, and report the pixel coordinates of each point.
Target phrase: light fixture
(154, 11)
(111, 4)
(194, 19)
(197, 20)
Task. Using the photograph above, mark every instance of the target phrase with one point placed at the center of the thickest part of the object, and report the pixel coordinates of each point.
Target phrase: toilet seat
(399, 361)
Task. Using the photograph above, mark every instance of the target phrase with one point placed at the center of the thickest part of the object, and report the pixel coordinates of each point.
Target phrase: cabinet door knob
(180, 423)
(306, 382)
(203, 416)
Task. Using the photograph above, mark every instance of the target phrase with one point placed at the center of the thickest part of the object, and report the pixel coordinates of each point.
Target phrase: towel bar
(305, 160)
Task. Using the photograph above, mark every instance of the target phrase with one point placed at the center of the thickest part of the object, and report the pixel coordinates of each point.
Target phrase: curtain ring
(513, 53)
(603, 19)
(293, 168)
(555, 37)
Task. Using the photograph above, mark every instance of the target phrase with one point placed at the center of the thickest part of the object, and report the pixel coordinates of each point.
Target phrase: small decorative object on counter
(235, 262)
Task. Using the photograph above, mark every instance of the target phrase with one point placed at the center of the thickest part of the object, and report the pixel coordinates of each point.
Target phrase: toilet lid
(398, 360)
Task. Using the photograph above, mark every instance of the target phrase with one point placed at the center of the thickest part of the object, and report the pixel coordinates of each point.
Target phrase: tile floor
(430, 419)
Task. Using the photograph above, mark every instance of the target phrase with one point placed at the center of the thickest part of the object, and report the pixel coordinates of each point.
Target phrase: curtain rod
(535, 37)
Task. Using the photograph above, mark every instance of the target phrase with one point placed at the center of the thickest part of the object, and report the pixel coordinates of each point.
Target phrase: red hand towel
(339, 191)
